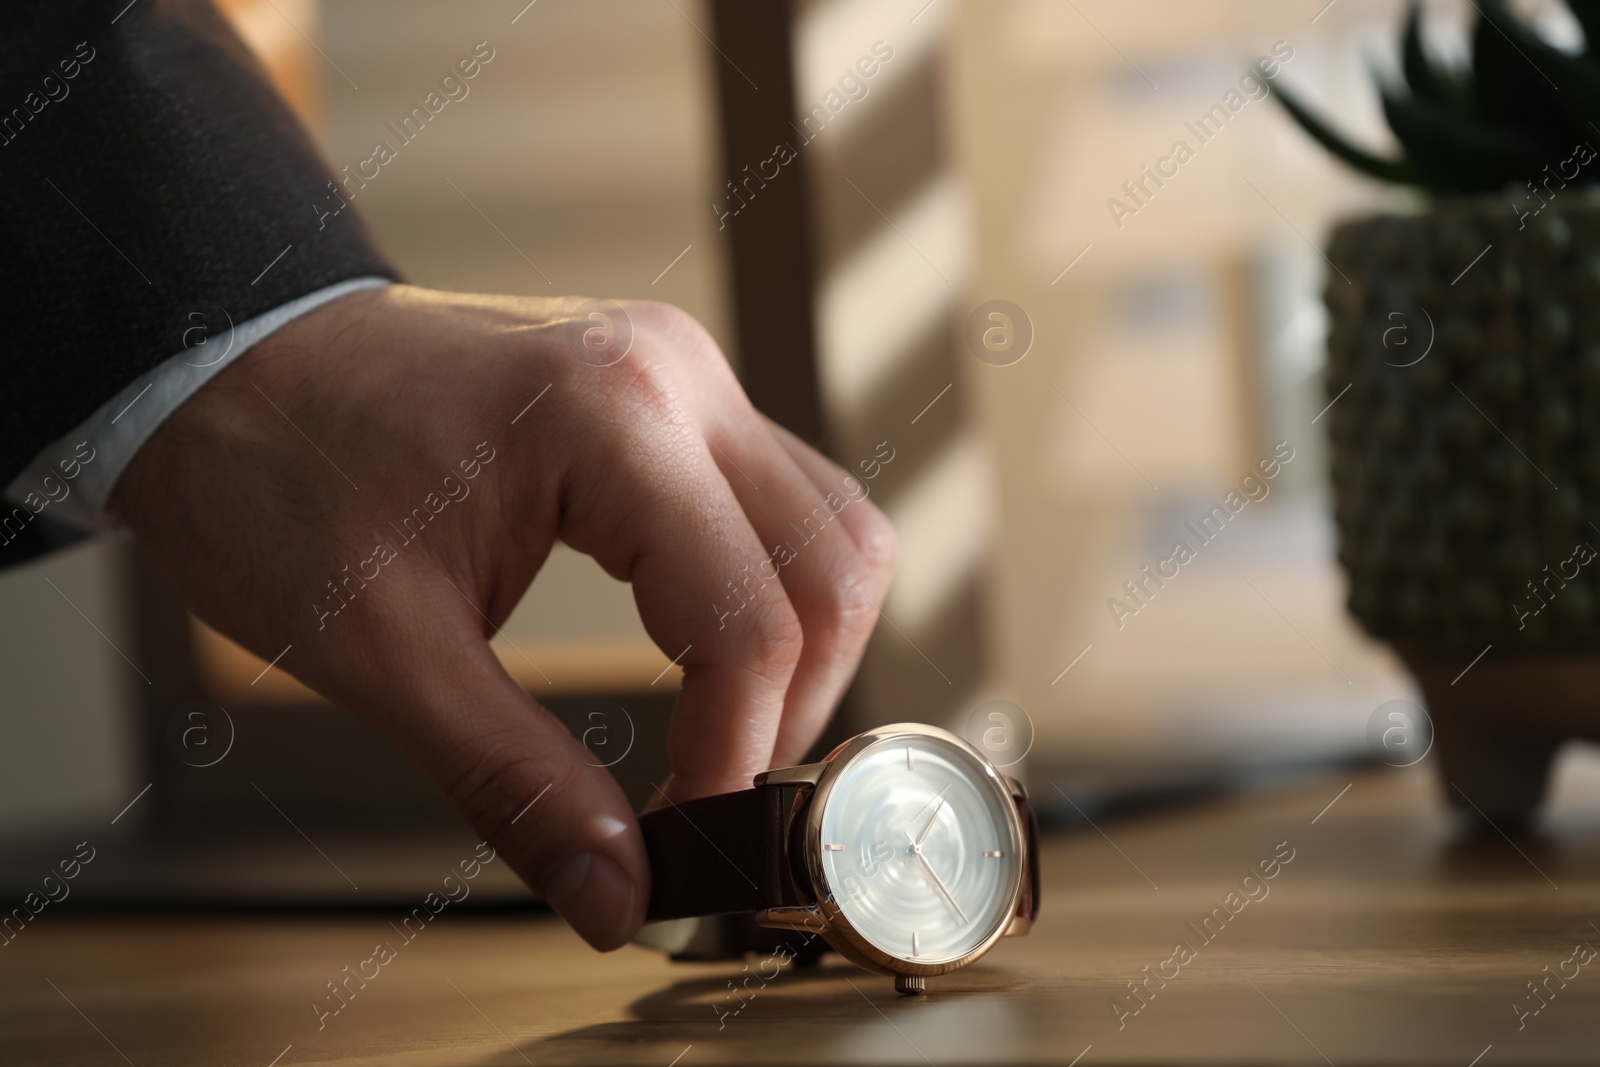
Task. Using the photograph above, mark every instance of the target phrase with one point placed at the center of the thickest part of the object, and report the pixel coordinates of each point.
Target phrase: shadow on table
(826, 1011)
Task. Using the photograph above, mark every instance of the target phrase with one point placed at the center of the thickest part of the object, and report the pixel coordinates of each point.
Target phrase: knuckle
(880, 542)
(646, 387)
(681, 337)
(775, 641)
(851, 606)
(670, 320)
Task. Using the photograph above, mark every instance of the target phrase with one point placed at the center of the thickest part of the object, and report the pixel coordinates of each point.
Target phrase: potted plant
(1464, 377)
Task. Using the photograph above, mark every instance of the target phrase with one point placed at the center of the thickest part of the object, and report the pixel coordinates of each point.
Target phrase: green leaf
(1387, 170)
(1512, 88)
(1549, 96)
(1521, 105)
(1454, 153)
(1587, 12)
(1425, 80)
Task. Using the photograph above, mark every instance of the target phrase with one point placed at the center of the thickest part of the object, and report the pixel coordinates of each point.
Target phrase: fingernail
(595, 897)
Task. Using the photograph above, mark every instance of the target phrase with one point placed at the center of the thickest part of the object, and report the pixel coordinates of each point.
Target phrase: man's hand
(355, 486)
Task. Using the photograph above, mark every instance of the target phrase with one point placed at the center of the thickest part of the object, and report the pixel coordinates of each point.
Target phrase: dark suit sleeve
(147, 171)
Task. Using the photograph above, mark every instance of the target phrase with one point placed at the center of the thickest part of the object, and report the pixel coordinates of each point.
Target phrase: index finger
(652, 507)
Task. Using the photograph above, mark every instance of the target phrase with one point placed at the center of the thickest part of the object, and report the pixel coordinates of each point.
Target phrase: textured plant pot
(1466, 471)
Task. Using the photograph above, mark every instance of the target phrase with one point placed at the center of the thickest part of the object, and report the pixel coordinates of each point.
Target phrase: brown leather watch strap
(1028, 900)
(732, 937)
(719, 855)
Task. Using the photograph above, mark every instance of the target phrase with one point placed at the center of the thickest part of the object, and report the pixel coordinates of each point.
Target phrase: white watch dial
(917, 849)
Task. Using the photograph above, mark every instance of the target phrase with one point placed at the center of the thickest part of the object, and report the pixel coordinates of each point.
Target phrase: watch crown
(909, 984)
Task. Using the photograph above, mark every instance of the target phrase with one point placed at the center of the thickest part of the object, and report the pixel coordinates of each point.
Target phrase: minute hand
(942, 887)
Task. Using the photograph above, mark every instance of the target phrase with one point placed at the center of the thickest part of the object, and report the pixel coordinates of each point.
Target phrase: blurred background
(1166, 350)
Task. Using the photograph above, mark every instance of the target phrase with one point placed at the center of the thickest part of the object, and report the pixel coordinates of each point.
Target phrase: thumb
(510, 768)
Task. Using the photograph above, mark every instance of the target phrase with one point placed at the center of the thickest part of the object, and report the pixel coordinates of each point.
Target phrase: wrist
(192, 400)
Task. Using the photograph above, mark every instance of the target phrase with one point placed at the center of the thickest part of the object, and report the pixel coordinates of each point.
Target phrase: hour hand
(933, 817)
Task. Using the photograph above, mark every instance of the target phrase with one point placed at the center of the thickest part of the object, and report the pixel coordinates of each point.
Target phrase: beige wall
(1167, 361)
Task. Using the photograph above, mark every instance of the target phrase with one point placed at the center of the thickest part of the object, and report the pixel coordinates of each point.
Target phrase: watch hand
(942, 887)
(932, 818)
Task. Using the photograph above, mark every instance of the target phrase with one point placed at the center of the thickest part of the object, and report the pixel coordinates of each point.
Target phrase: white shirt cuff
(122, 425)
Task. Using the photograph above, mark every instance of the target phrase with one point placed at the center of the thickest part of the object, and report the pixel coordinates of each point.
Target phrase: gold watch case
(825, 917)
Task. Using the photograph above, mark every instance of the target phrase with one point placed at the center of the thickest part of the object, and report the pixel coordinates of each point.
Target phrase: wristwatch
(904, 851)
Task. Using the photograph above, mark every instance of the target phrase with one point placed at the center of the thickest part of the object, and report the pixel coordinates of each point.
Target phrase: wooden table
(1380, 941)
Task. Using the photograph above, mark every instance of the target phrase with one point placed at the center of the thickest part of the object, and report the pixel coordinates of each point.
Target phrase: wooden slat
(769, 240)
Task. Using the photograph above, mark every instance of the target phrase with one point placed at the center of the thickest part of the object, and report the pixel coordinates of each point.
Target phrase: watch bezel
(839, 932)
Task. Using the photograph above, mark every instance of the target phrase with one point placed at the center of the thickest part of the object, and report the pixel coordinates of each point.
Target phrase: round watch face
(919, 849)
